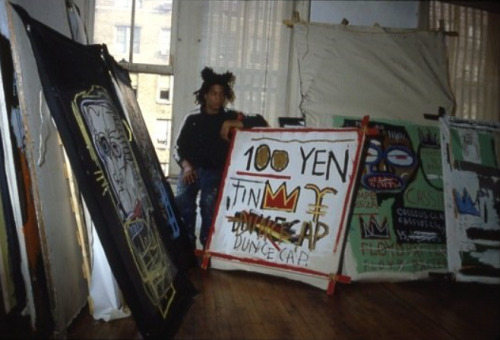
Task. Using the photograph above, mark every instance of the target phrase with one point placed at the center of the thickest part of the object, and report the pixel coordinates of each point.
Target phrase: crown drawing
(280, 200)
(465, 204)
(374, 229)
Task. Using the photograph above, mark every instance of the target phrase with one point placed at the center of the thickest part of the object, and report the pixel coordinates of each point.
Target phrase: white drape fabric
(380, 72)
(474, 57)
(249, 39)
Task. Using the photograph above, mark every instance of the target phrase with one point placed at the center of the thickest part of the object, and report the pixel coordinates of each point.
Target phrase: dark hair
(226, 80)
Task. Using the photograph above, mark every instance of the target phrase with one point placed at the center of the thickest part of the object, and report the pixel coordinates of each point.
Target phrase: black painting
(115, 171)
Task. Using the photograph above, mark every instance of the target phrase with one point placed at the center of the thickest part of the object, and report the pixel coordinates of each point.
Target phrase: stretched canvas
(471, 169)
(397, 230)
(120, 193)
(284, 202)
(177, 240)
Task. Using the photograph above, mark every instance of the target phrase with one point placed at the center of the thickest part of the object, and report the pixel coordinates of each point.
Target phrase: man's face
(215, 99)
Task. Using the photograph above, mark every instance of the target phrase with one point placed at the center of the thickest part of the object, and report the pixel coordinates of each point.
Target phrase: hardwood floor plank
(463, 307)
(246, 305)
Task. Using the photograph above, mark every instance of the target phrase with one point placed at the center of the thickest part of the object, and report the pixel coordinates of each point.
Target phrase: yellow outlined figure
(108, 139)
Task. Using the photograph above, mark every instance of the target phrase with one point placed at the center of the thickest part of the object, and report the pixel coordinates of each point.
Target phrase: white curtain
(249, 39)
(474, 56)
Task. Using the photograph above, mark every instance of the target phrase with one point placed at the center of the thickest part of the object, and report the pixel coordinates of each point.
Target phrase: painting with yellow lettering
(284, 202)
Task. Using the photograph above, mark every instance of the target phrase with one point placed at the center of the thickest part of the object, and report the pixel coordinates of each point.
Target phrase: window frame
(134, 67)
(160, 87)
(122, 29)
(186, 26)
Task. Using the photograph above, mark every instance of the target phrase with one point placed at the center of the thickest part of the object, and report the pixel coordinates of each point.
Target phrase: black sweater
(199, 140)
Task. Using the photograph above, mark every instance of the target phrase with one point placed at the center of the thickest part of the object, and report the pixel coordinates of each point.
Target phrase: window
(473, 55)
(164, 94)
(148, 66)
(164, 42)
(246, 37)
(152, 20)
(122, 40)
(122, 3)
(127, 3)
(164, 89)
(137, 39)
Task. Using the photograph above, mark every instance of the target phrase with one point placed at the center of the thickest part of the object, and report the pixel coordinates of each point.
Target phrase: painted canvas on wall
(109, 168)
(471, 170)
(397, 229)
(284, 202)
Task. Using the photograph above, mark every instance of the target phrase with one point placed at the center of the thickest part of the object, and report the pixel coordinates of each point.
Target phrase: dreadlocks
(226, 80)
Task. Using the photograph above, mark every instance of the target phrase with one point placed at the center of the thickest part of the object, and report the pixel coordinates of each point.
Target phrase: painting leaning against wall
(397, 229)
(119, 192)
(176, 238)
(471, 151)
(284, 203)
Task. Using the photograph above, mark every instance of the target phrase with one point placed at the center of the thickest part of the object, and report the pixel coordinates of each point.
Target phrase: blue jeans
(207, 184)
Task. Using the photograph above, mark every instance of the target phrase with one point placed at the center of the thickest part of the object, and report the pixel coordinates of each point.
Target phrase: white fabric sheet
(383, 73)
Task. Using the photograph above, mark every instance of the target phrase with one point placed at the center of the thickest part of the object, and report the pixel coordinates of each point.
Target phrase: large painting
(177, 240)
(284, 203)
(471, 170)
(122, 196)
(397, 230)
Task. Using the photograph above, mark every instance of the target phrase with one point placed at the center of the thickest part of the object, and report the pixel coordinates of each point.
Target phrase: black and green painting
(397, 223)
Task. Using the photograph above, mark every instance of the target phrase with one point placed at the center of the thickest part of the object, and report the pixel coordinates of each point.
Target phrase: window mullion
(164, 70)
(132, 29)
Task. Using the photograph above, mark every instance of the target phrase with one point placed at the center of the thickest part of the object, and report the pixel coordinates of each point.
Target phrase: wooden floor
(242, 305)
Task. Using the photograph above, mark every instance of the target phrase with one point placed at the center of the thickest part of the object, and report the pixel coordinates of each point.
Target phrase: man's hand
(228, 126)
(188, 173)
